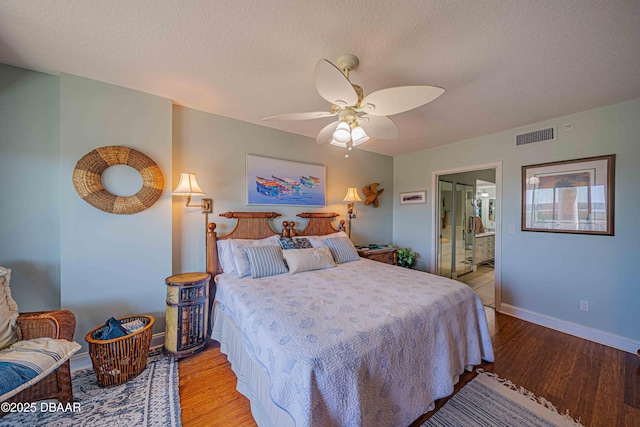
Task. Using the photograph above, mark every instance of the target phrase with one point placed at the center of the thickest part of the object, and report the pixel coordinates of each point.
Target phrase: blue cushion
(265, 261)
(342, 249)
(295, 243)
(13, 375)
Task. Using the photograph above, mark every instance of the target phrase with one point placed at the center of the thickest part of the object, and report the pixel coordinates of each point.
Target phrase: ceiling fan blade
(379, 127)
(302, 116)
(326, 134)
(394, 100)
(334, 86)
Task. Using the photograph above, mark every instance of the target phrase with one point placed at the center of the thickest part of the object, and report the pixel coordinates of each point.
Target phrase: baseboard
(83, 360)
(586, 332)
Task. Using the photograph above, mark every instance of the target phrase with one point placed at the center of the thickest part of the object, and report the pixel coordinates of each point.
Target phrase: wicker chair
(47, 324)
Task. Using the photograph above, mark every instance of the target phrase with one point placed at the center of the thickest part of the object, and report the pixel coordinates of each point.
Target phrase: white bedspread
(363, 344)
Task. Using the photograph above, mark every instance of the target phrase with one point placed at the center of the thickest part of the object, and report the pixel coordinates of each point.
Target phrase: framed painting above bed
(283, 182)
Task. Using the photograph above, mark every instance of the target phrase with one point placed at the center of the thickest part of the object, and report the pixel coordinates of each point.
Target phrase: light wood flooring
(482, 281)
(597, 384)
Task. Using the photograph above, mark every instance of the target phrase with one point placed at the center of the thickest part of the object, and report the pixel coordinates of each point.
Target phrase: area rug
(491, 401)
(149, 400)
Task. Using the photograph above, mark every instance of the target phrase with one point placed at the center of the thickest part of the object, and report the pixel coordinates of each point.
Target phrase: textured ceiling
(503, 63)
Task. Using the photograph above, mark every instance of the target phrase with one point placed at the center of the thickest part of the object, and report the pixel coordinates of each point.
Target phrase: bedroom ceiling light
(358, 135)
(359, 116)
(342, 134)
(351, 197)
(187, 187)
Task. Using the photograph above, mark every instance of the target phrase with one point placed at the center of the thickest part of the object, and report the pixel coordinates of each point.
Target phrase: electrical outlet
(584, 305)
(512, 229)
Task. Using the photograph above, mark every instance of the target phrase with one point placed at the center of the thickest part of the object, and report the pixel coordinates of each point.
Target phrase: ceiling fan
(359, 117)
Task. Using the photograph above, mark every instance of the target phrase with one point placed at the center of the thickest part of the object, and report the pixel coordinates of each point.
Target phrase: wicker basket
(118, 360)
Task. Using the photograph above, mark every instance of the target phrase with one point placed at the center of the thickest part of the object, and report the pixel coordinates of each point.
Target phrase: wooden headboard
(255, 225)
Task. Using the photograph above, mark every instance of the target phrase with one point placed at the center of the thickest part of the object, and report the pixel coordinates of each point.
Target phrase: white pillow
(300, 260)
(240, 258)
(225, 256)
(8, 311)
(321, 241)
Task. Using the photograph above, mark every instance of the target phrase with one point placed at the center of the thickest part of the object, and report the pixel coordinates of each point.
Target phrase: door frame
(435, 206)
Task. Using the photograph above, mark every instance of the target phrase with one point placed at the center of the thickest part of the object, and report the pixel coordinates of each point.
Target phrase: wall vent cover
(540, 135)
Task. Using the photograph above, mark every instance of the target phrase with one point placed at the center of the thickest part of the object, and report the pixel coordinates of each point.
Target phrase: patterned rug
(491, 401)
(150, 400)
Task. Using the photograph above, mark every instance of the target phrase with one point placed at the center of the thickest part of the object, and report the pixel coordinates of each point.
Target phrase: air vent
(541, 135)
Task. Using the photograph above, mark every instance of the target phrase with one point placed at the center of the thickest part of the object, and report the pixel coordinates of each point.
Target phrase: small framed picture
(413, 197)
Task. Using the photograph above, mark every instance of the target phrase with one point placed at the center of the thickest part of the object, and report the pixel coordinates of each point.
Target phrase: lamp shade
(352, 195)
(338, 144)
(342, 133)
(188, 185)
(358, 135)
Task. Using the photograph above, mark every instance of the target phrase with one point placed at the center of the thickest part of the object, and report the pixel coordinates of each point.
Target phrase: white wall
(29, 186)
(215, 148)
(546, 274)
(112, 265)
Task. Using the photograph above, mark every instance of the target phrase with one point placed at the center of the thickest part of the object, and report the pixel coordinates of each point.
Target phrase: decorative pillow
(225, 256)
(295, 243)
(300, 260)
(8, 311)
(240, 259)
(265, 261)
(342, 249)
(27, 362)
(320, 241)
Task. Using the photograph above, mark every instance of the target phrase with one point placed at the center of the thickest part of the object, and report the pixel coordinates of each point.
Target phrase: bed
(361, 343)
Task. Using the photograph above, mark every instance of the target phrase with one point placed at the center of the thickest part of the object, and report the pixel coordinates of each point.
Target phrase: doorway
(466, 233)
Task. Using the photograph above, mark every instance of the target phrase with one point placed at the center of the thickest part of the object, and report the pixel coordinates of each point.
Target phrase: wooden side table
(187, 314)
(386, 255)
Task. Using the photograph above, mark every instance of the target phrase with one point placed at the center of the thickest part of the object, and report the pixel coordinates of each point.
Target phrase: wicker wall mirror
(87, 180)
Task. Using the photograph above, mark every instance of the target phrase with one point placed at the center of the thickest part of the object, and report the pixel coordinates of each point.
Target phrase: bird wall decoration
(371, 192)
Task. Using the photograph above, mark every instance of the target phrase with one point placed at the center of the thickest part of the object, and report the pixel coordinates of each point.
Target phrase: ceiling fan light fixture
(338, 144)
(342, 133)
(358, 135)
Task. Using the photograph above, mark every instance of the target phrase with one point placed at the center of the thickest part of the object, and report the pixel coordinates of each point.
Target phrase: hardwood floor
(599, 385)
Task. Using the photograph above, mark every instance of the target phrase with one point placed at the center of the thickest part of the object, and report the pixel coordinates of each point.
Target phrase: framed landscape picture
(283, 182)
(413, 197)
(572, 196)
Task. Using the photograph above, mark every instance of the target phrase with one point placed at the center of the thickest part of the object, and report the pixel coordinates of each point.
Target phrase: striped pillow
(342, 249)
(265, 261)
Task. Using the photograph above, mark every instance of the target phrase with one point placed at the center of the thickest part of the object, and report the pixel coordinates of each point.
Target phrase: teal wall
(68, 254)
(112, 265)
(30, 186)
(215, 148)
(548, 273)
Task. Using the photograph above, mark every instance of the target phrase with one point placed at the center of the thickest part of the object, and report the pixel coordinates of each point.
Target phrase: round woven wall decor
(88, 183)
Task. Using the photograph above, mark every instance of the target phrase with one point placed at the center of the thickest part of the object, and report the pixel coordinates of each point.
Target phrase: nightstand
(383, 254)
(187, 314)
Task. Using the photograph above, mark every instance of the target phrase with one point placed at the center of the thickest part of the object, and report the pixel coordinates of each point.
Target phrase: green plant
(406, 257)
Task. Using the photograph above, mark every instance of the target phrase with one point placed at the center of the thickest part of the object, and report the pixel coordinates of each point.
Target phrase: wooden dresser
(383, 254)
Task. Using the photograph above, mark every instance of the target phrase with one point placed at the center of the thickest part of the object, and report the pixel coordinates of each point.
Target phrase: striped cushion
(27, 362)
(240, 259)
(265, 261)
(342, 249)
